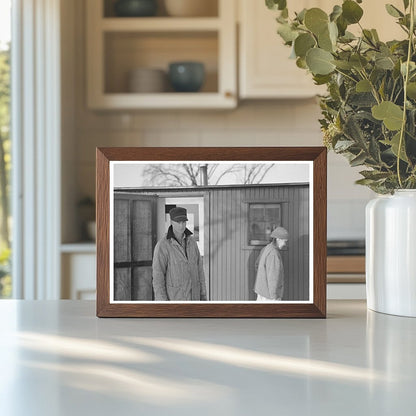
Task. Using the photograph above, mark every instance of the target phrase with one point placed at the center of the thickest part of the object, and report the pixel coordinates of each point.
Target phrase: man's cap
(178, 214)
(280, 232)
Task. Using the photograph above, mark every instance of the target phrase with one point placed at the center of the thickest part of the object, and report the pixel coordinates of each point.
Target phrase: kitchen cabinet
(118, 45)
(265, 70)
(78, 263)
(343, 269)
(345, 274)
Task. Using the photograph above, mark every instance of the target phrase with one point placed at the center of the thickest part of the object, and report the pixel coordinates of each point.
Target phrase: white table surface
(57, 358)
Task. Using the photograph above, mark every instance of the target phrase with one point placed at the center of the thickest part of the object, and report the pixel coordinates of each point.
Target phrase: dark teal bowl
(186, 76)
(135, 8)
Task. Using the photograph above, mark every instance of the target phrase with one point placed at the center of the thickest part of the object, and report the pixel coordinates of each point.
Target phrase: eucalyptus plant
(369, 111)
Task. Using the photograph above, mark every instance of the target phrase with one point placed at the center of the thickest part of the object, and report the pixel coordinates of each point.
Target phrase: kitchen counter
(57, 358)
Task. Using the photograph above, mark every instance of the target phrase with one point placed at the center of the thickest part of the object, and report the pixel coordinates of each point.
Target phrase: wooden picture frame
(308, 266)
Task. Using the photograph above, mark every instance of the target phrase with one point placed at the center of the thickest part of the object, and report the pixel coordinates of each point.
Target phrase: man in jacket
(177, 265)
(269, 284)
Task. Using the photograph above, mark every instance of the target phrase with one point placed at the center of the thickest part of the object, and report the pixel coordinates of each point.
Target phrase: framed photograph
(211, 232)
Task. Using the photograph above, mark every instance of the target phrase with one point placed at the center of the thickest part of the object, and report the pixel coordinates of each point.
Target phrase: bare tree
(187, 174)
(171, 175)
(254, 173)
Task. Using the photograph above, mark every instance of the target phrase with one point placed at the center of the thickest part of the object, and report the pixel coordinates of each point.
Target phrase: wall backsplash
(253, 123)
(287, 123)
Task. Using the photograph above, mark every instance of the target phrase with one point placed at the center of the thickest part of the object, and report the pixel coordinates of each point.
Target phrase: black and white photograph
(215, 231)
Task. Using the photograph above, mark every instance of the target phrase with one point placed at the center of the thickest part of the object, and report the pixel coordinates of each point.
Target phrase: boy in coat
(269, 284)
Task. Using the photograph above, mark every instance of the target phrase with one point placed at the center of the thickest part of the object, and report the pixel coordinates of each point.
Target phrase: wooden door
(134, 241)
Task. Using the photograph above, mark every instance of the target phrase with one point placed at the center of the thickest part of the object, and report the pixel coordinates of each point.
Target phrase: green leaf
(354, 132)
(382, 89)
(385, 50)
(342, 25)
(336, 12)
(411, 90)
(405, 21)
(287, 33)
(319, 61)
(321, 79)
(316, 20)
(345, 65)
(406, 4)
(375, 35)
(343, 145)
(303, 43)
(411, 123)
(334, 92)
(347, 37)
(276, 4)
(377, 75)
(301, 15)
(391, 114)
(374, 150)
(412, 67)
(358, 160)
(281, 19)
(363, 86)
(384, 62)
(396, 70)
(394, 143)
(333, 32)
(325, 42)
(301, 63)
(362, 99)
(368, 36)
(358, 61)
(393, 11)
(374, 174)
(270, 4)
(366, 182)
(351, 11)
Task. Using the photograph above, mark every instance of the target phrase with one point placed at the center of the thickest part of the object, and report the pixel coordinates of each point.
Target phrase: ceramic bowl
(186, 76)
(135, 8)
(147, 80)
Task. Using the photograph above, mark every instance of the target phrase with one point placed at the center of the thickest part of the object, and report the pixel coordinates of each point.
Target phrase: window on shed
(263, 219)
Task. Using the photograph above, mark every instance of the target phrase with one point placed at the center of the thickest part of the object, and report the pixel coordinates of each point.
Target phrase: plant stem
(406, 79)
(373, 88)
(346, 75)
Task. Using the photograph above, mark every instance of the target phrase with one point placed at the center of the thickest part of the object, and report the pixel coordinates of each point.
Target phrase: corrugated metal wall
(231, 260)
(232, 270)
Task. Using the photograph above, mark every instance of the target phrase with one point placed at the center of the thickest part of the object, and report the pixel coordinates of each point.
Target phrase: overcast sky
(130, 174)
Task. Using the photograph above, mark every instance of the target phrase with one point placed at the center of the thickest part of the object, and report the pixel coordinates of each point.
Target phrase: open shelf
(127, 51)
(160, 24)
(118, 45)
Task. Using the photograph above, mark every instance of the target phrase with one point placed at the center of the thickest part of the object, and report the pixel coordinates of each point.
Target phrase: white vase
(391, 253)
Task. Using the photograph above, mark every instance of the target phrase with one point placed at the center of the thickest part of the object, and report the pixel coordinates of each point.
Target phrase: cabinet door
(134, 240)
(266, 71)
